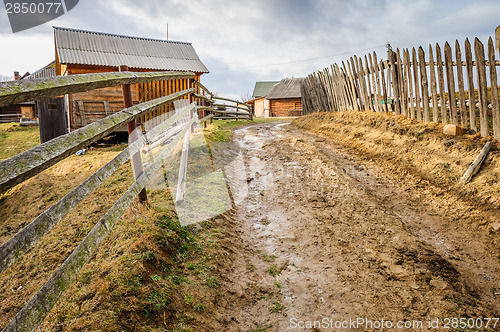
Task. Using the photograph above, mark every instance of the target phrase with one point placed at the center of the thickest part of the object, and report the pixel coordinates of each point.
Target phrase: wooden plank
(395, 85)
(329, 86)
(357, 83)
(107, 108)
(402, 90)
(333, 90)
(201, 86)
(408, 70)
(230, 100)
(476, 164)
(335, 84)
(494, 90)
(470, 84)
(362, 83)
(377, 78)
(37, 308)
(442, 100)
(450, 80)
(425, 85)
(182, 176)
(73, 114)
(29, 163)
(461, 92)
(374, 83)
(384, 87)
(390, 95)
(369, 90)
(352, 84)
(482, 87)
(347, 100)
(416, 78)
(81, 109)
(15, 92)
(434, 94)
(238, 112)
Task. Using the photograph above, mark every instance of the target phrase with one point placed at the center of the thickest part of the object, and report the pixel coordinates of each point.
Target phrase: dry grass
(149, 274)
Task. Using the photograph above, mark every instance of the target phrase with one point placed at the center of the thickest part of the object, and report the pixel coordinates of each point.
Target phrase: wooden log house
(259, 102)
(80, 52)
(285, 99)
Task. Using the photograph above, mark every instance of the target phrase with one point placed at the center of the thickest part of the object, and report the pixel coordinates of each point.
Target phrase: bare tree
(247, 96)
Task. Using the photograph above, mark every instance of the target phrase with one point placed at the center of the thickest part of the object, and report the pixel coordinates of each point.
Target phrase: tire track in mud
(320, 235)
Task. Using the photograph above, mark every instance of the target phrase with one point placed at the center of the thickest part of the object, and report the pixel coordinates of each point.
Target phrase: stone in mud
(440, 284)
(453, 130)
(495, 226)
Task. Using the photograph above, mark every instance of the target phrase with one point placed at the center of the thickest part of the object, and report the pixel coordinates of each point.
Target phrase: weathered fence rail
(30, 163)
(241, 110)
(415, 85)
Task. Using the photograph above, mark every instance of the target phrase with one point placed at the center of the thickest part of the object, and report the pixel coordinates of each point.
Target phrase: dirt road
(321, 235)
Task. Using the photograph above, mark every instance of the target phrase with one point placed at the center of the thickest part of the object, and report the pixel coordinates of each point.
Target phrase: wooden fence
(30, 163)
(415, 85)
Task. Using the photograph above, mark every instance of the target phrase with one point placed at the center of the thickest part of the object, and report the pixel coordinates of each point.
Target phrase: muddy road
(319, 235)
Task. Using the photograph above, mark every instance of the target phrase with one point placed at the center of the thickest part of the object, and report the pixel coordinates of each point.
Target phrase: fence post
(190, 98)
(395, 83)
(132, 133)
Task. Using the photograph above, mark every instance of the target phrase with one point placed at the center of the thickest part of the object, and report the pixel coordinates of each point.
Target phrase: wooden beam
(425, 85)
(202, 97)
(470, 83)
(29, 163)
(435, 108)
(461, 90)
(450, 80)
(474, 167)
(16, 92)
(201, 86)
(231, 100)
(494, 91)
(182, 176)
(442, 100)
(482, 87)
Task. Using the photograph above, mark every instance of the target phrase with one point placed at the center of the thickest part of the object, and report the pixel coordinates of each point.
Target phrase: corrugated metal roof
(287, 88)
(104, 49)
(263, 88)
(47, 71)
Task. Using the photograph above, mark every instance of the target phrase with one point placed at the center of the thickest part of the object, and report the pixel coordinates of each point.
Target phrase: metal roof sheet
(47, 71)
(287, 88)
(103, 49)
(263, 88)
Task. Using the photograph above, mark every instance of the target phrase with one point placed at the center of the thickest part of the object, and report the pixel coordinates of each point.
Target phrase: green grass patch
(15, 139)
(277, 307)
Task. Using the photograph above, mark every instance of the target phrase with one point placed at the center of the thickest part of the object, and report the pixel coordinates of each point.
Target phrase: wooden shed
(285, 99)
(259, 102)
(80, 52)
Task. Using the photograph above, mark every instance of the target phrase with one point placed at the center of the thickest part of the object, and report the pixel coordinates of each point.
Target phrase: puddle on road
(268, 221)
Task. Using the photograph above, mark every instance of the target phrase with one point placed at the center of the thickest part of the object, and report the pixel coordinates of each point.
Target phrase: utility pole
(167, 31)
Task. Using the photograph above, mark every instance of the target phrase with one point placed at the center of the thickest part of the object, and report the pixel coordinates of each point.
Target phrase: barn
(81, 52)
(285, 99)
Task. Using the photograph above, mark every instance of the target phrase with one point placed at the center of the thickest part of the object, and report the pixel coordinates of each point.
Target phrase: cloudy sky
(242, 42)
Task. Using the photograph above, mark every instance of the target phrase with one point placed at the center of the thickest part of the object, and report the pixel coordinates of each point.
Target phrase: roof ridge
(121, 36)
